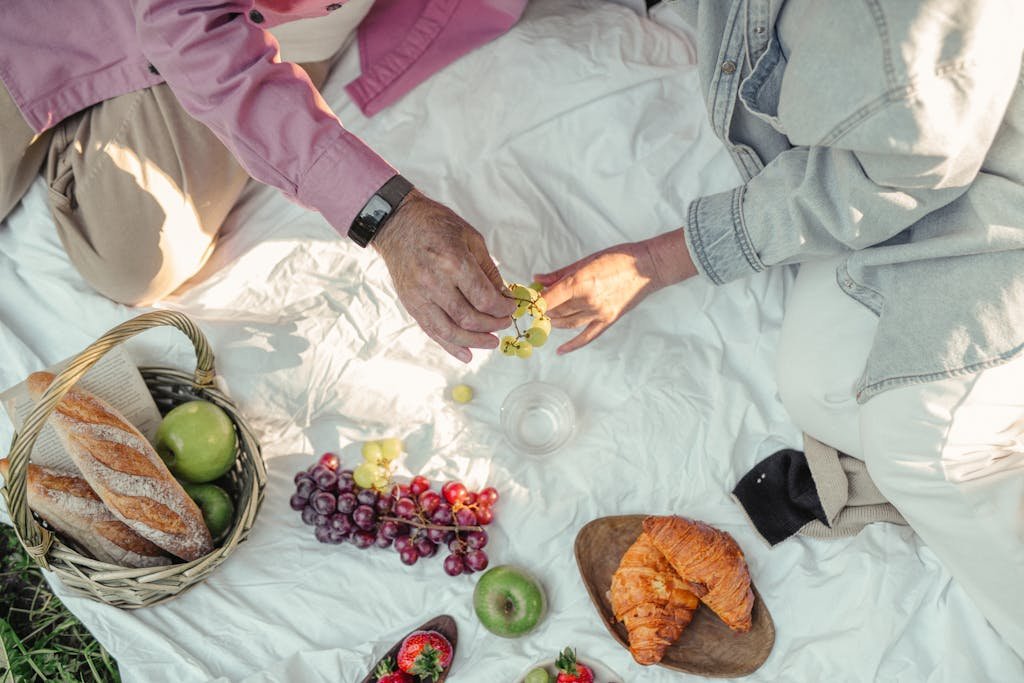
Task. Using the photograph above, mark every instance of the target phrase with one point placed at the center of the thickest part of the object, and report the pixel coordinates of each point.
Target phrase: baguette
(125, 471)
(72, 509)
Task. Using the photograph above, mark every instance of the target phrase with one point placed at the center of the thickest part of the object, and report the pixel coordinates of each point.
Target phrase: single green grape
(537, 286)
(536, 336)
(366, 475)
(462, 393)
(372, 452)
(391, 448)
(508, 345)
(539, 331)
(521, 309)
(524, 349)
(524, 293)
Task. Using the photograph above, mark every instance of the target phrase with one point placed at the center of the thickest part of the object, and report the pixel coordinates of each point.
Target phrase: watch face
(376, 209)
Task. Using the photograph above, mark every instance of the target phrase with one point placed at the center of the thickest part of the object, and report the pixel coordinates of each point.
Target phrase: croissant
(709, 558)
(650, 598)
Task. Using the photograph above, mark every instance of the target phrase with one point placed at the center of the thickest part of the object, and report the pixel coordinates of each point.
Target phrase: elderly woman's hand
(596, 291)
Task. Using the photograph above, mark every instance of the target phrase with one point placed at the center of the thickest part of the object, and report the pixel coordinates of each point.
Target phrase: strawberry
(425, 654)
(386, 673)
(571, 671)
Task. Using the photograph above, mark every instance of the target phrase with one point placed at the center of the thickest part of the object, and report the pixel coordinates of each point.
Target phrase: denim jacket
(890, 132)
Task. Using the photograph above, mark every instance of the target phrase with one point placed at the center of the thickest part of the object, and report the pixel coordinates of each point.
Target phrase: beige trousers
(138, 188)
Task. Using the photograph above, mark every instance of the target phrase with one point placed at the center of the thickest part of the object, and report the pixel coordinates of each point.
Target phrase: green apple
(509, 601)
(215, 504)
(197, 441)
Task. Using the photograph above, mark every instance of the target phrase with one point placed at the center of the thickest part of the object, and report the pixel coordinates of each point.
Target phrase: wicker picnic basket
(108, 583)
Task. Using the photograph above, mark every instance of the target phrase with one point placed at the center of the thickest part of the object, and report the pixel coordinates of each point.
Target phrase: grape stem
(427, 525)
(515, 323)
(517, 298)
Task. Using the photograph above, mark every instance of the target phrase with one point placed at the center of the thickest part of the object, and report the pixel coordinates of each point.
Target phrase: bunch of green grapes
(529, 302)
(375, 471)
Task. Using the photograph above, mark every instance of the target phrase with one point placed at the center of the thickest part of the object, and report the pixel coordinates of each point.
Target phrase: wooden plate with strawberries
(410, 649)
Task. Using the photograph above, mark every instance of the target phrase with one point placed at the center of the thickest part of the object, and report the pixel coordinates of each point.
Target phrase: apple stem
(427, 525)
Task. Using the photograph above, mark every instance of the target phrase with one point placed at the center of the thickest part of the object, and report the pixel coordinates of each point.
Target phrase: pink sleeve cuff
(342, 180)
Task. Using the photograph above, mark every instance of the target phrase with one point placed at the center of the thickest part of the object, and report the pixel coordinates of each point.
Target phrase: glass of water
(537, 418)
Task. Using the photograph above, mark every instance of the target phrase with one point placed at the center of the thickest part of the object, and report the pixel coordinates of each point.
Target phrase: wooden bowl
(443, 624)
(707, 647)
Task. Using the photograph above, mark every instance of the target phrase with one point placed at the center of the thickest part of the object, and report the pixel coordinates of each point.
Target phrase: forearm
(225, 73)
(669, 258)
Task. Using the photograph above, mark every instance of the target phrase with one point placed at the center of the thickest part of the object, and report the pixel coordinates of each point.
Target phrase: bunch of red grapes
(413, 518)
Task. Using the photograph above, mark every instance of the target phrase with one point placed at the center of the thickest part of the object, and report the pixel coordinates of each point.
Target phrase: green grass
(40, 640)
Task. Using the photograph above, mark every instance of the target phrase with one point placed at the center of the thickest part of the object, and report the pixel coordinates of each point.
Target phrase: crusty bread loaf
(125, 471)
(72, 509)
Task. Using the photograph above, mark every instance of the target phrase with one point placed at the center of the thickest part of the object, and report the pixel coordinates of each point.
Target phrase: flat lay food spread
(123, 501)
(610, 483)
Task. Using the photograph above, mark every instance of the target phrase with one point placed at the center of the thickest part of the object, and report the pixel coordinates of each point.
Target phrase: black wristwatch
(379, 210)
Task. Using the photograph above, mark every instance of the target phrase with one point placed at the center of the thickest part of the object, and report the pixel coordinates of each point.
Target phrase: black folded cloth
(819, 492)
(779, 495)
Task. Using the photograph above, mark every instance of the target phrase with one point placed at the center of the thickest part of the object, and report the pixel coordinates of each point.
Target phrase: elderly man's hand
(444, 276)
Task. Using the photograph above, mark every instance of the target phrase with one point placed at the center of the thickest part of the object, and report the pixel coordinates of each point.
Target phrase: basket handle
(34, 538)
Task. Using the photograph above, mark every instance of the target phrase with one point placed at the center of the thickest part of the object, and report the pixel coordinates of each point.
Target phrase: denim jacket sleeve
(910, 148)
(223, 69)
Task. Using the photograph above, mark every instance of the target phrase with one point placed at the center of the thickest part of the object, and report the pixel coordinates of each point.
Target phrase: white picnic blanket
(581, 128)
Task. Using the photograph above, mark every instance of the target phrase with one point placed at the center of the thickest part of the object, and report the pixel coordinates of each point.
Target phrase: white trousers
(948, 454)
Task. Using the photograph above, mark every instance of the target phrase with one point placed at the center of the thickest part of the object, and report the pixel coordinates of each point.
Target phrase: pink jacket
(58, 57)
